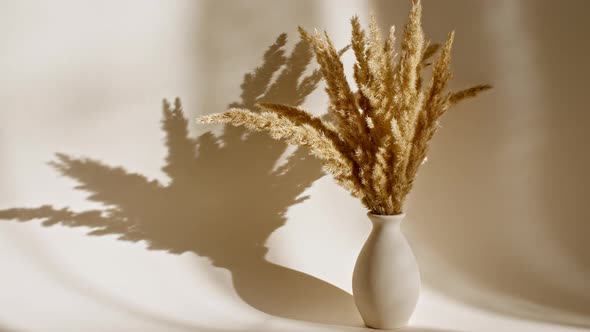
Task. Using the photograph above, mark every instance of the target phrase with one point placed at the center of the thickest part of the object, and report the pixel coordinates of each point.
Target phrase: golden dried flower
(381, 132)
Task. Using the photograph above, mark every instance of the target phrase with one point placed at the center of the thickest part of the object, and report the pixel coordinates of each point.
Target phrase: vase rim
(386, 218)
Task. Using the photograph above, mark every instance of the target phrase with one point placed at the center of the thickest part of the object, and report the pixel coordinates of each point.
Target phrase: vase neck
(386, 220)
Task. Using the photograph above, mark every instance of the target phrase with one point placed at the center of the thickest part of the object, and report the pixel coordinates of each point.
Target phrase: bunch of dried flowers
(379, 135)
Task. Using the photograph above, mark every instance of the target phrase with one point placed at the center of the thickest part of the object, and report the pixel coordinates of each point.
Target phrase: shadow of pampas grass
(224, 197)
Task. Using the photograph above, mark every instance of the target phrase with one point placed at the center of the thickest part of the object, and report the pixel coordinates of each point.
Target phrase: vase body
(386, 279)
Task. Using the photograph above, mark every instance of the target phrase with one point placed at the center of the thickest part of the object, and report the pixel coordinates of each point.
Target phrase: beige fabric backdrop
(241, 237)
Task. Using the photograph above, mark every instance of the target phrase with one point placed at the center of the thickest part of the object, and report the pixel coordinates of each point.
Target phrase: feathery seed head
(380, 133)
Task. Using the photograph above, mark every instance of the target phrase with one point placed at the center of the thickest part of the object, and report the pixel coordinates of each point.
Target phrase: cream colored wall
(497, 218)
(499, 210)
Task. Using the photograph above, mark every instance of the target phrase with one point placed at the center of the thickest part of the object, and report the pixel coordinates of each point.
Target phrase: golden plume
(380, 133)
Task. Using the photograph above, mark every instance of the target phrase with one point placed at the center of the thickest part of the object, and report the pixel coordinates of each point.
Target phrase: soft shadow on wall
(207, 175)
(224, 198)
(6, 329)
(498, 216)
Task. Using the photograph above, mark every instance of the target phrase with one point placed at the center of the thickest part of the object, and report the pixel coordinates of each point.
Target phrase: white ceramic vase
(386, 279)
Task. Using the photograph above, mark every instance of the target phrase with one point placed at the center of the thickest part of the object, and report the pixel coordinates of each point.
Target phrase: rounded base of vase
(386, 327)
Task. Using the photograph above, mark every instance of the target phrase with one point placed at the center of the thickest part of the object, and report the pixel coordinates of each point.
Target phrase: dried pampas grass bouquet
(375, 140)
(379, 135)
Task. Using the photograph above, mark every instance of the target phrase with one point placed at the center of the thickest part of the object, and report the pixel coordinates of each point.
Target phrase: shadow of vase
(225, 196)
